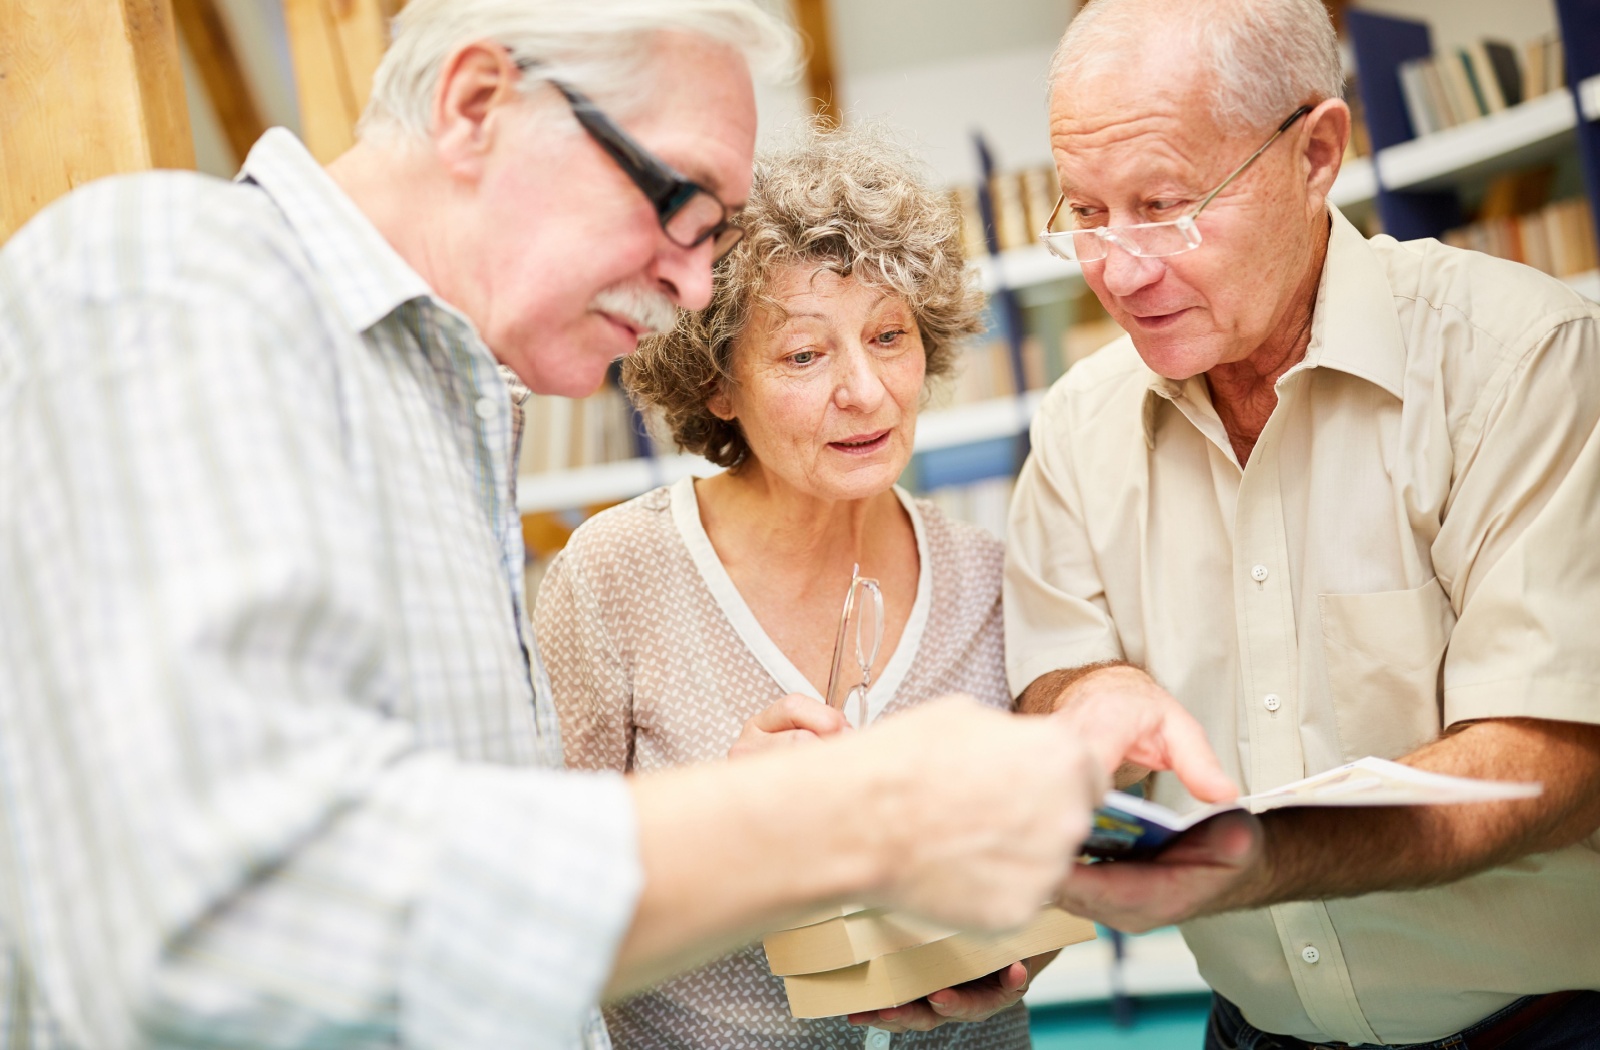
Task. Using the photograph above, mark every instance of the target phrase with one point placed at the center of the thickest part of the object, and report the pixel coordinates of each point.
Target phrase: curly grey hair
(844, 200)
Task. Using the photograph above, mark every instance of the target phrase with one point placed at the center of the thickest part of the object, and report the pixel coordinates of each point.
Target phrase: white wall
(939, 106)
(941, 69)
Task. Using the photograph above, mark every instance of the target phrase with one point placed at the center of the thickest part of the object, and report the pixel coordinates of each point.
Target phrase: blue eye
(890, 337)
(804, 357)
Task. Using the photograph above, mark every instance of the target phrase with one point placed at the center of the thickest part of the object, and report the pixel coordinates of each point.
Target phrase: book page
(1126, 826)
(1378, 782)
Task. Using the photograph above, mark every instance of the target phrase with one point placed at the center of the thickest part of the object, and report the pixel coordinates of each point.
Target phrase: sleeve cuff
(535, 884)
(1023, 672)
(1559, 700)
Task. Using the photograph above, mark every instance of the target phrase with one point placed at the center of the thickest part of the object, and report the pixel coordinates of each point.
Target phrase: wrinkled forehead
(1113, 122)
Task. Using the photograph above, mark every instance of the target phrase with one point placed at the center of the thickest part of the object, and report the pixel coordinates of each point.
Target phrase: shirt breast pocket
(1382, 653)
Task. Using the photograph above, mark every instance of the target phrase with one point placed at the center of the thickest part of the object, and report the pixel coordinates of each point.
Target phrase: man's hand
(1216, 866)
(976, 807)
(976, 1000)
(796, 719)
(1134, 725)
(962, 814)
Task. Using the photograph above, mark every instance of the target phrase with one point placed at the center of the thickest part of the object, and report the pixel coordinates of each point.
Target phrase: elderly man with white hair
(1335, 497)
(274, 764)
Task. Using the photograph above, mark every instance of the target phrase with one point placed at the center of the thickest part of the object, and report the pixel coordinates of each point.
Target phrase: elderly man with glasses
(1335, 497)
(275, 740)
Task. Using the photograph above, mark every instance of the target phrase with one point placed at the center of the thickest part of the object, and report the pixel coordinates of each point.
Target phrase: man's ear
(476, 83)
(1326, 134)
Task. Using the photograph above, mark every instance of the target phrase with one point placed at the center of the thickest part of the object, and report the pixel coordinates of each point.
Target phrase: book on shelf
(985, 503)
(1022, 201)
(1558, 239)
(965, 199)
(1462, 84)
(898, 977)
(560, 433)
(1128, 828)
(1360, 143)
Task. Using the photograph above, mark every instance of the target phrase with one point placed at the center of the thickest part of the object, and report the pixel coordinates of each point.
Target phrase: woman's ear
(719, 403)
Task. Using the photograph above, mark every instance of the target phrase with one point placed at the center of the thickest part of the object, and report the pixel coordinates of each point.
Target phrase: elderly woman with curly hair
(700, 618)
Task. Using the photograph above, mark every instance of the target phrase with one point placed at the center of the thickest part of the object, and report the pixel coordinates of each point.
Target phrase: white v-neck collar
(686, 516)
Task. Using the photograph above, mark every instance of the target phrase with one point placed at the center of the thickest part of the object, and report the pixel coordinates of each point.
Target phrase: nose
(684, 274)
(1125, 273)
(860, 387)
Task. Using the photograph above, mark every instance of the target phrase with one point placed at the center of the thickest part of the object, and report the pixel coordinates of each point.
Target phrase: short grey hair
(1266, 57)
(600, 47)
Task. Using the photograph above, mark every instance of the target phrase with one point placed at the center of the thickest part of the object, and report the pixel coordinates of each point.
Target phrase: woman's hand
(976, 1000)
(796, 719)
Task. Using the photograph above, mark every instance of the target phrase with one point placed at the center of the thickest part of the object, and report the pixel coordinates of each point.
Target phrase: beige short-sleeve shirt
(1415, 542)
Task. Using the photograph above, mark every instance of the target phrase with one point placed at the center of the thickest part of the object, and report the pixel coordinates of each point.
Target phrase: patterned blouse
(656, 661)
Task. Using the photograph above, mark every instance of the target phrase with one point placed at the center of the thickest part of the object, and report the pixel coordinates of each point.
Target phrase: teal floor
(1168, 1023)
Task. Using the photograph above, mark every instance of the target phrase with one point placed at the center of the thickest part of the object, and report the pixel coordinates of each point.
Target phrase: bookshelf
(1356, 185)
(1418, 178)
(975, 424)
(1025, 267)
(1537, 130)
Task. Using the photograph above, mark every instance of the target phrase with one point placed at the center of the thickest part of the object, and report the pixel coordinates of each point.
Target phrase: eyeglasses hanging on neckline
(863, 606)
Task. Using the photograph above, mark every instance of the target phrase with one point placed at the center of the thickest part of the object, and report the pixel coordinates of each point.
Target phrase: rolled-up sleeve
(1519, 549)
(1055, 607)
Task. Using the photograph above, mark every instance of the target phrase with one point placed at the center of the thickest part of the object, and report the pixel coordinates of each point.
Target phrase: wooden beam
(336, 45)
(211, 46)
(88, 88)
(811, 17)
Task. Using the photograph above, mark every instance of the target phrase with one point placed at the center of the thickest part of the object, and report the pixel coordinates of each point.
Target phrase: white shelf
(1157, 963)
(606, 483)
(1514, 137)
(1357, 183)
(980, 421)
(1021, 267)
(1589, 98)
(1587, 284)
(609, 482)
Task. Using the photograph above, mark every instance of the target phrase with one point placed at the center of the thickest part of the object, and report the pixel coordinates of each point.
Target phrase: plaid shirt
(272, 721)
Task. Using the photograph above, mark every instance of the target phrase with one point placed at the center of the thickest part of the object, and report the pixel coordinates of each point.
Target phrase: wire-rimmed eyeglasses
(1145, 239)
(689, 213)
(863, 606)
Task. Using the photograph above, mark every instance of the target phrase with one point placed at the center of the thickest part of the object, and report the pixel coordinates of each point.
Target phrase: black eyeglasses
(689, 213)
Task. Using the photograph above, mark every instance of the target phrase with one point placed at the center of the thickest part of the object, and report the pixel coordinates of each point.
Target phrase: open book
(1129, 827)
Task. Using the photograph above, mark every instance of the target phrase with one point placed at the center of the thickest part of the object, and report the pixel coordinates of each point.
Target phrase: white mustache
(645, 308)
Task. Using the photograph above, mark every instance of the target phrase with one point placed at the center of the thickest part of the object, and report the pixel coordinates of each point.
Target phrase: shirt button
(486, 408)
(1271, 702)
(1259, 573)
(1310, 954)
(878, 1040)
